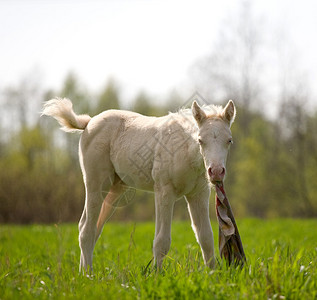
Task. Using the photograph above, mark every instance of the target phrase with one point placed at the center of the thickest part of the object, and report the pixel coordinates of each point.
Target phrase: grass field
(42, 262)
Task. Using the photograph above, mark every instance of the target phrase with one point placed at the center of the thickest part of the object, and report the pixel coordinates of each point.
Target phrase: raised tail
(62, 110)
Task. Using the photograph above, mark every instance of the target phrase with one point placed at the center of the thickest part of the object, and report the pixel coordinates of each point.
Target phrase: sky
(144, 45)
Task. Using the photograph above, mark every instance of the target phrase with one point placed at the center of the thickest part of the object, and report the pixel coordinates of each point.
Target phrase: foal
(175, 156)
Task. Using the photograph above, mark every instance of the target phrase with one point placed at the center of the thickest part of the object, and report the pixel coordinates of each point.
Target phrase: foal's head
(215, 138)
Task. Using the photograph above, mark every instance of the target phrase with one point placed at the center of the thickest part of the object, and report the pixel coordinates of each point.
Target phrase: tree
(143, 105)
(109, 97)
(296, 121)
(21, 103)
(75, 91)
(234, 67)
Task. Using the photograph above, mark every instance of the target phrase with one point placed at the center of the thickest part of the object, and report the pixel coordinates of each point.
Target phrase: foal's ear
(198, 113)
(229, 112)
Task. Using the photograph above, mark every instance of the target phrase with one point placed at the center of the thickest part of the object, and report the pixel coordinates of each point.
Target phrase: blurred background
(151, 57)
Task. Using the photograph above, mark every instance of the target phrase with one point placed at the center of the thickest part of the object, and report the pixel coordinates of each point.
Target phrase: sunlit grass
(42, 262)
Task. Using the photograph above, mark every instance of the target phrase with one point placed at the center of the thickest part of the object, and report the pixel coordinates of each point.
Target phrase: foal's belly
(134, 170)
(139, 179)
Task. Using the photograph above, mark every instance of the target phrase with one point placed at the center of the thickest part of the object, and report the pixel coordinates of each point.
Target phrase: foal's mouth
(215, 182)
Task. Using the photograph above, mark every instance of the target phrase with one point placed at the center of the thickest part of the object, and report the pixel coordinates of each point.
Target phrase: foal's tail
(62, 111)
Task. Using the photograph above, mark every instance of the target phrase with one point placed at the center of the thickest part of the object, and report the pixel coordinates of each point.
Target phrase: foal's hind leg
(87, 226)
(94, 176)
(117, 189)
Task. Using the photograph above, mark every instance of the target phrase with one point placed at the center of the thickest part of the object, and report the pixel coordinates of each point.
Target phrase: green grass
(42, 262)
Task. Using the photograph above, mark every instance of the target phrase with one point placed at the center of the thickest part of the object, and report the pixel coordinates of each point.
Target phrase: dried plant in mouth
(230, 244)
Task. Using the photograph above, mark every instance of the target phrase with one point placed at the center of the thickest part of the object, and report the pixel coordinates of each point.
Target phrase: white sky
(147, 45)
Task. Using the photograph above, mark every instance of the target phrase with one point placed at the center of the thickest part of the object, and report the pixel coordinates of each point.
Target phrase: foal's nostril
(210, 172)
(223, 172)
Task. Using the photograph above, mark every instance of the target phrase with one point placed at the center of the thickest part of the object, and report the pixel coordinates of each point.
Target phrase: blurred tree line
(272, 166)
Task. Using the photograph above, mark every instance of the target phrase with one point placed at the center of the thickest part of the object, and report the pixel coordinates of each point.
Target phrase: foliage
(144, 105)
(271, 166)
(74, 90)
(42, 262)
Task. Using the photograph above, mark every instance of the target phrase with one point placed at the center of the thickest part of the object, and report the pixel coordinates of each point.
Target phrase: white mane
(184, 117)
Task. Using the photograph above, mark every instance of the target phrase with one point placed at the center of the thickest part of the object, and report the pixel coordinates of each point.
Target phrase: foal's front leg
(164, 204)
(198, 207)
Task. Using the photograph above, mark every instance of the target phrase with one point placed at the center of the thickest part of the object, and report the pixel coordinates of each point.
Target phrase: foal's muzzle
(216, 173)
